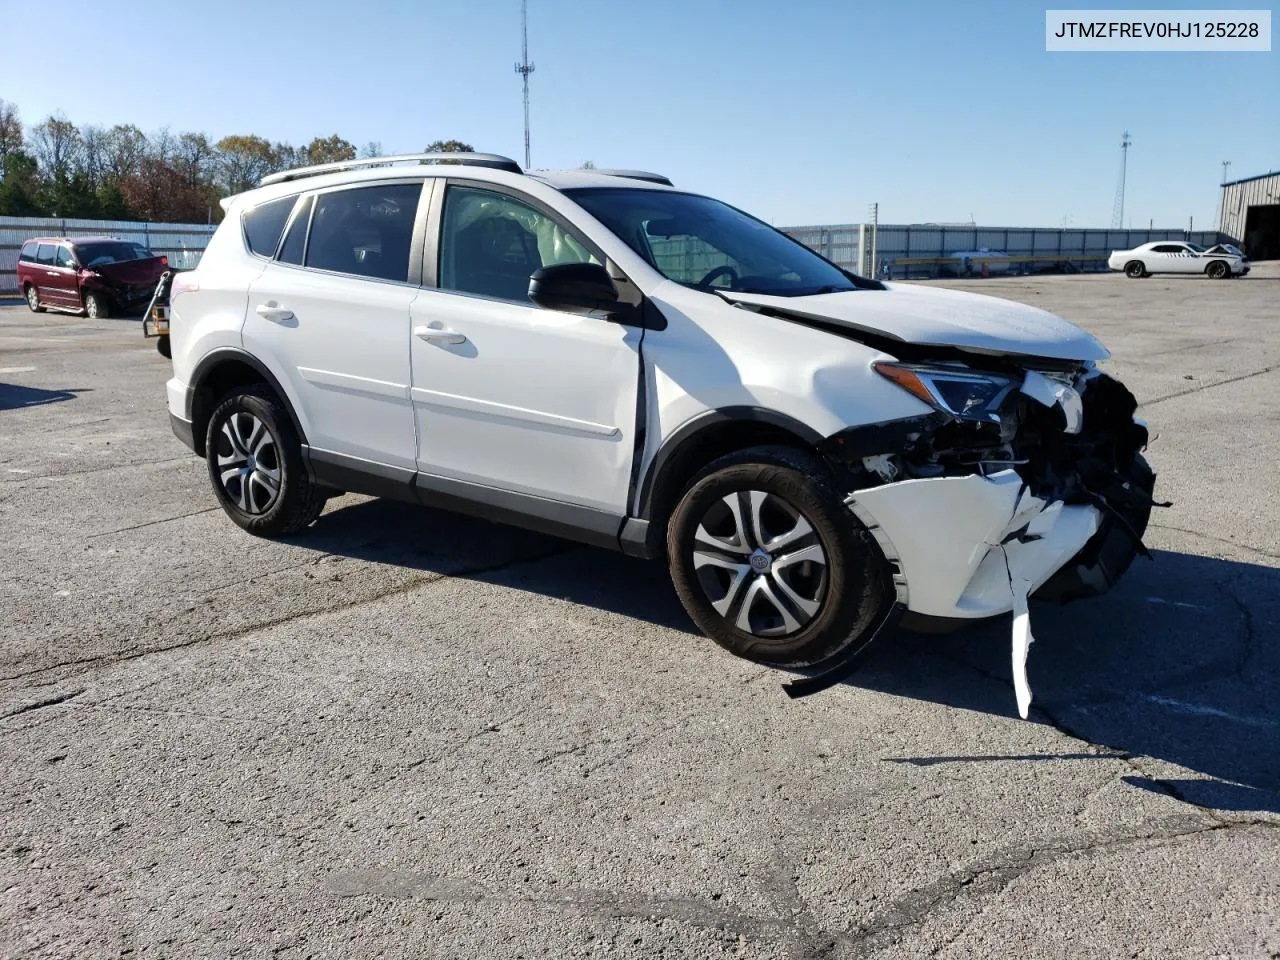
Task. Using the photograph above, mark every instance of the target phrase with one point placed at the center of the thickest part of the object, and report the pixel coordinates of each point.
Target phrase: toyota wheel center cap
(760, 561)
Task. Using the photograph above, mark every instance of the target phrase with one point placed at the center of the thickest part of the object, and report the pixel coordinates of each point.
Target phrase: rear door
(507, 395)
(330, 315)
(45, 274)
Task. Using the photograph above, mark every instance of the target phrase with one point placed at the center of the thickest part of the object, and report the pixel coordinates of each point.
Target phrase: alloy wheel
(249, 466)
(33, 298)
(91, 307)
(760, 563)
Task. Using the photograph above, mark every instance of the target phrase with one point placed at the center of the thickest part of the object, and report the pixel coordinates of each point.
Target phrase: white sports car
(1167, 256)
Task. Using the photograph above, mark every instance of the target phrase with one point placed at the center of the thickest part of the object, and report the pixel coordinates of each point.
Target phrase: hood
(132, 271)
(934, 316)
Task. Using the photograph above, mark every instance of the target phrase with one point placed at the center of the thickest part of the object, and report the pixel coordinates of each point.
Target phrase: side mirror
(574, 288)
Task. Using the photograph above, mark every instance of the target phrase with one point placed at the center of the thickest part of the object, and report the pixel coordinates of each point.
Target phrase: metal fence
(928, 250)
(182, 243)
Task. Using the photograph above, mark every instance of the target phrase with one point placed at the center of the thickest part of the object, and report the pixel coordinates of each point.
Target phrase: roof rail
(637, 175)
(466, 159)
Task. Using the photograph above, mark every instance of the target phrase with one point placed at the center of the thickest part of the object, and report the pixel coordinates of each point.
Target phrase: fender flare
(220, 355)
(690, 429)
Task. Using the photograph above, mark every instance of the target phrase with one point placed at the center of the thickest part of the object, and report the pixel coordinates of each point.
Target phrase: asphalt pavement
(404, 733)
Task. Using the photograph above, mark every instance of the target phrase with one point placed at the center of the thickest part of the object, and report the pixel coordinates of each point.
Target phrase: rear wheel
(770, 563)
(33, 299)
(1135, 270)
(1218, 270)
(95, 306)
(255, 465)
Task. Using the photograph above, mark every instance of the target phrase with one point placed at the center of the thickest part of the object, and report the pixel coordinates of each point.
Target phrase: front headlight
(961, 393)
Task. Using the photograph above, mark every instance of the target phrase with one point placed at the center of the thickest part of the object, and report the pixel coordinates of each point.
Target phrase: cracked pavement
(405, 733)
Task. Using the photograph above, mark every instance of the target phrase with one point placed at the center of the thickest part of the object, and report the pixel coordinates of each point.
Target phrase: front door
(63, 281)
(507, 395)
(330, 315)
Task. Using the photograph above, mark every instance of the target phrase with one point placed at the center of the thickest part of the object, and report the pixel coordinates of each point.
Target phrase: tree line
(58, 169)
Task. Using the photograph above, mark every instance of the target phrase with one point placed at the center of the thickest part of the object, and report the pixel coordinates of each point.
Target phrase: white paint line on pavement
(16, 369)
(1181, 706)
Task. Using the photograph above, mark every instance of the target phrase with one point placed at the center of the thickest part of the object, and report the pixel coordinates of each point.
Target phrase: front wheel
(770, 563)
(255, 465)
(1218, 270)
(1135, 270)
(95, 306)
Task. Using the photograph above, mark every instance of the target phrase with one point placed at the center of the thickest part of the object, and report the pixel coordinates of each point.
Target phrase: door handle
(273, 311)
(437, 332)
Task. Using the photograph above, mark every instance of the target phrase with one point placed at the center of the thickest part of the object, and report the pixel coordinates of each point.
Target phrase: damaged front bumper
(1047, 496)
(953, 543)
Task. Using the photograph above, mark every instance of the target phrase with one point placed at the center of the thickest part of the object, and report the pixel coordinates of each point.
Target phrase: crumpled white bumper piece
(944, 535)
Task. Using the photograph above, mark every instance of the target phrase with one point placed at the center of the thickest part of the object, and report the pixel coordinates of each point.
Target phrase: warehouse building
(1250, 213)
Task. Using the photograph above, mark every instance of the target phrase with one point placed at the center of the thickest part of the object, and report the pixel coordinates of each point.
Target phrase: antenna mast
(1117, 211)
(524, 68)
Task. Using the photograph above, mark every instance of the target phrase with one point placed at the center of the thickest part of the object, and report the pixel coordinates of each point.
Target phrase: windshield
(1195, 248)
(110, 251)
(709, 245)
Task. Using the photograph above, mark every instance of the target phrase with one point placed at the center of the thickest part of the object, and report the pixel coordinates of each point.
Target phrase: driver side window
(490, 244)
(690, 259)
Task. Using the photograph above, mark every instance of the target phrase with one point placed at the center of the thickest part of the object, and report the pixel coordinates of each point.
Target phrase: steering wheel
(715, 273)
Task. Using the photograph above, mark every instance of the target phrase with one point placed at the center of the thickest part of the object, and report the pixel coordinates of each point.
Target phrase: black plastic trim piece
(709, 419)
(183, 430)
(636, 539)
(554, 517)
(354, 475)
(211, 361)
(845, 664)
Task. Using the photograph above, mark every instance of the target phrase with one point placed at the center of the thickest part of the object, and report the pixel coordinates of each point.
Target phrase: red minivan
(96, 276)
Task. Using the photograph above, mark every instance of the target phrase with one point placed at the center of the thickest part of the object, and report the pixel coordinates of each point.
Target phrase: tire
(267, 490)
(832, 596)
(163, 348)
(1218, 270)
(33, 299)
(96, 307)
(1135, 270)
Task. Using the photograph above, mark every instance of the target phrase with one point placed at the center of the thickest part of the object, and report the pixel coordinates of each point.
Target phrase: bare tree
(161, 144)
(194, 158)
(93, 158)
(126, 146)
(56, 144)
(371, 149)
(10, 131)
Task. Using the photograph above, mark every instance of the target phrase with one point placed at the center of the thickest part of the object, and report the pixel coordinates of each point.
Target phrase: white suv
(601, 356)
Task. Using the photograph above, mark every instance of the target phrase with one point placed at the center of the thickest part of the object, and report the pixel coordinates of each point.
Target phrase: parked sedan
(96, 276)
(1219, 262)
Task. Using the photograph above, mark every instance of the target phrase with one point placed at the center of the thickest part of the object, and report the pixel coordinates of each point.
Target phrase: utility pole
(1222, 201)
(1117, 211)
(875, 236)
(524, 68)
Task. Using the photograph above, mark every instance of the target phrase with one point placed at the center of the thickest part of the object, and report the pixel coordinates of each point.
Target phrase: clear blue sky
(801, 111)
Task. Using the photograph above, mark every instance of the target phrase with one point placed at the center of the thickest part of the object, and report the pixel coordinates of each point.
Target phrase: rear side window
(44, 255)
(295, 241)
(28, 254)
(264, 224)
(366, 231)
